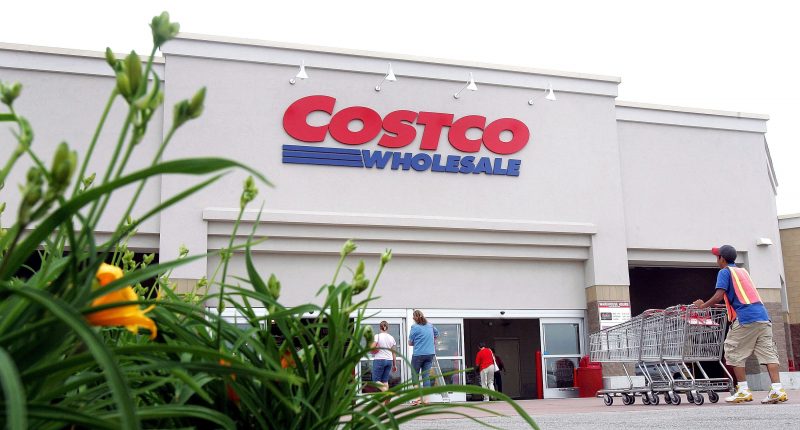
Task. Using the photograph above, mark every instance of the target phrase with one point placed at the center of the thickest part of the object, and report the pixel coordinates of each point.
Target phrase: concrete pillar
(598, 293)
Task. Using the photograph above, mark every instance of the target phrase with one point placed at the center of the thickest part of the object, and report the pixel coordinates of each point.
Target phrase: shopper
(751, 329)
(498, 377)
(422, 338)
(383, 361)
(485, 363)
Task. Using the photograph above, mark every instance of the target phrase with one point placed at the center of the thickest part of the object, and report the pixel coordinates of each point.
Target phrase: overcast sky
(727, 55)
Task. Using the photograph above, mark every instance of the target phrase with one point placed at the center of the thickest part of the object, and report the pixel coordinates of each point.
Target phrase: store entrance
(515, 342)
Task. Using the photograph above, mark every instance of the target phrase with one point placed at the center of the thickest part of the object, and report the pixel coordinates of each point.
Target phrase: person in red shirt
(485, 363)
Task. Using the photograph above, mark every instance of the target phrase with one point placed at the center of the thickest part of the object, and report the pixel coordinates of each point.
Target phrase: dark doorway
(506, 335)
(662, 287)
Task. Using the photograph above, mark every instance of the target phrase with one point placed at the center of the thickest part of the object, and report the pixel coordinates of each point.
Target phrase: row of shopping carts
(667, 346)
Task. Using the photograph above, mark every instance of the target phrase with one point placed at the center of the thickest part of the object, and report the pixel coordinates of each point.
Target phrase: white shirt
(385, 341)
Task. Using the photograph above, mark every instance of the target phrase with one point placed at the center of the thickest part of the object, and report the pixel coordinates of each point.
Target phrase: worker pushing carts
(665, 345)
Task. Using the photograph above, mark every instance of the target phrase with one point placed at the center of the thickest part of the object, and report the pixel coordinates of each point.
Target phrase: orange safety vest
(744, 289)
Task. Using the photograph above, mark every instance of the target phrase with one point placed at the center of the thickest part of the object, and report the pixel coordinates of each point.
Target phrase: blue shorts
(381, 370)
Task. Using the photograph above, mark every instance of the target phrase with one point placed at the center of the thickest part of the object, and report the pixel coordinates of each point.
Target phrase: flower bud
(348, 248)
(147, 259)
(183, 251)
(64, 163)
(124, 85)
(87, 182)
(386, 257)
(360, 283)
(10, 92)
(133, 68)
(162, 29)
(196, 104)
(180, 113)
(274, 286)
(2, 207)
(111, 59)
(249, 192)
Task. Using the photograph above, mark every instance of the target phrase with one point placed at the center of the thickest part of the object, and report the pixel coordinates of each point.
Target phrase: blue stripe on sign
(321, 149)
(322, 162)
(321, 155)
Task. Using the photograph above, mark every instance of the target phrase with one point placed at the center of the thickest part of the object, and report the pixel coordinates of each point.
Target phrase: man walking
(751, 329)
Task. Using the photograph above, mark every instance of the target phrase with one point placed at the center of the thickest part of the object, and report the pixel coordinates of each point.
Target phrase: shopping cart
(627, 344)
(693, 336)
(662, 344)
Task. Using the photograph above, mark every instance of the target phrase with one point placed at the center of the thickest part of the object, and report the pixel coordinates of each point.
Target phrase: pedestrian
(422, 337)
(383, 360)
(485, 363)
(498, 377)
(751, 329)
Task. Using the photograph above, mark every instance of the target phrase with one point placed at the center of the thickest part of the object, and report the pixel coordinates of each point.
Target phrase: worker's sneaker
(740, 396)
(776, 396)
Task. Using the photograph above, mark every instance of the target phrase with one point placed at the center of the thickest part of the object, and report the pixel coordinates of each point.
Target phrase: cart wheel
(654, 399)
(645, 398)
(676, 399)
(627, 399)
(689, 397)
(713, 397)
(667, 399)
(608, 400)
(698, 399)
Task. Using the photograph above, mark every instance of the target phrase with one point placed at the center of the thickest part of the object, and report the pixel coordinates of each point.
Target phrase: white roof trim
(687, 117)
(382, 55)
(638, 105)
(26, 57)
(68, 52)
(788, 221)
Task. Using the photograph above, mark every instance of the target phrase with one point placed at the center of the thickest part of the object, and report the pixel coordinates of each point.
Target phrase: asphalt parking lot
(591, 414)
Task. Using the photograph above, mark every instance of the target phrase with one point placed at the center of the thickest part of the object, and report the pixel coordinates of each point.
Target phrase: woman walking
(383, 362)
(422, 338)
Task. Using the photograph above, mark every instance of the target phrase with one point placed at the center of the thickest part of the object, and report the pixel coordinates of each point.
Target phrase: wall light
(301, 74)
(470, 86)
(764, 241)
(548, 95)
(389, 77)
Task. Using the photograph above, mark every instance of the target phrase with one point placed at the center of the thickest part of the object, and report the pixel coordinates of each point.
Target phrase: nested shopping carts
(667, 346)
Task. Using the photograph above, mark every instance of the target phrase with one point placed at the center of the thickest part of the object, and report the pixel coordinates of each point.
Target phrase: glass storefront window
(394, 330)
(560, 372)
(366, 372)
(449, 365)
(449, 341)
(562, 339)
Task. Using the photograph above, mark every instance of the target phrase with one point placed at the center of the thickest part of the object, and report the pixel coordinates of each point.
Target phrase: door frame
(550, 393)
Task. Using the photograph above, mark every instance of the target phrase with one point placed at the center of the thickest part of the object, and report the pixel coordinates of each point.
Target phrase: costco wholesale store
(513, 219)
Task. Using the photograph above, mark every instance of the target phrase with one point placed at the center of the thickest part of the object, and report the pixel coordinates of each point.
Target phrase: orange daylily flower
(231, 392)
(287, 360)
(130, 316)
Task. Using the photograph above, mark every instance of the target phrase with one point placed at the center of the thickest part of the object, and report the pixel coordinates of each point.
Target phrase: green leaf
(190, 166)
(53, 413)
(170, 411)
(116, 380)
(13, 393)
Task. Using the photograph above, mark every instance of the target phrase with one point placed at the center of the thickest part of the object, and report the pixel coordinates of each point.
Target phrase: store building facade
(513, 219)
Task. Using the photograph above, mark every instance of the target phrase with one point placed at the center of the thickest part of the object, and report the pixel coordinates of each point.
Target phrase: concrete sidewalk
(591, 413)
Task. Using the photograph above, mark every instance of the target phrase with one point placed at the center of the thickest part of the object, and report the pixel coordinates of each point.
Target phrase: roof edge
(66, 51)
(402, 57)
(681, 109)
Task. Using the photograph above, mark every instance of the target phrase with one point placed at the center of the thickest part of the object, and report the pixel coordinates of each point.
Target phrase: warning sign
(613, 313)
